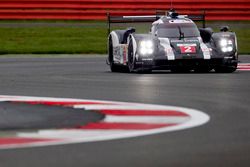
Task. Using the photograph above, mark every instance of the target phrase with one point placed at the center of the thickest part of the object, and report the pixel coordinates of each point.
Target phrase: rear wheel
(113, 66)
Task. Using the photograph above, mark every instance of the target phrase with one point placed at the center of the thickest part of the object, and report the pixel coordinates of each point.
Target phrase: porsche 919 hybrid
(174, 43)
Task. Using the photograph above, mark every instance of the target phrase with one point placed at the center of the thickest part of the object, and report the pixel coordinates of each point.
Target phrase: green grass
(243, 36)
(77, 37)
(40, 40)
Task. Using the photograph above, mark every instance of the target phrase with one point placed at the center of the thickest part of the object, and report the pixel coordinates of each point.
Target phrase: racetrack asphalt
(224, 141)
(23, 116)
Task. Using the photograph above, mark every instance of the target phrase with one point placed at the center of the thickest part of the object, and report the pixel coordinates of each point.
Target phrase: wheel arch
(132, 37)
(115, 38)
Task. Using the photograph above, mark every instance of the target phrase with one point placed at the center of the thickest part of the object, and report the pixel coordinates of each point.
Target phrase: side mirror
(224, 29)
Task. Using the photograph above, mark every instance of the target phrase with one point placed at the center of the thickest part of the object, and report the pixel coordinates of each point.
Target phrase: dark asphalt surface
(224, 141)
(23, 116)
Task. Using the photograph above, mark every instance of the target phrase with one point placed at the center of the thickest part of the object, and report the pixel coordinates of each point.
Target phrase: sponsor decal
(124, 52)
(185, 40)
(120, 53)
(116, 53)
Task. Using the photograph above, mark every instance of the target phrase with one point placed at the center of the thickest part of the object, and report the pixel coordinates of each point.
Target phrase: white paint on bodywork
(180, 21)
(134, 46)
(205, 50)
(159, 21)
(236, 44)
(167, 48)
(115, 38)
(117, 57)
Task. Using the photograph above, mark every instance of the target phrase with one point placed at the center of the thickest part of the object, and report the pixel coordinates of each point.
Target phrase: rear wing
(130, 19)
(149, 18)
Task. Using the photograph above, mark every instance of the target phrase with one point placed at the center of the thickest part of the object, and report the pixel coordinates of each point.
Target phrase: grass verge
(52, 40)
(41, 37)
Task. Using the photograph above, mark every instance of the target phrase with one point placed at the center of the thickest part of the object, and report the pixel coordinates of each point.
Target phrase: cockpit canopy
(176, 30)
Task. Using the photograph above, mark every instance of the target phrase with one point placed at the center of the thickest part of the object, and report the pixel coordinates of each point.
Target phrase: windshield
(177, 30)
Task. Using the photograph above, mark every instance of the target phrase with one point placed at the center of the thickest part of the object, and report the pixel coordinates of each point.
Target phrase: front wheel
(131, 58)
(202, 69)
(132, 66)
(180, 70)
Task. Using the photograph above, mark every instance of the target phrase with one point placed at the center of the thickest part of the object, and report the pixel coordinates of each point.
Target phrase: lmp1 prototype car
(173, 43)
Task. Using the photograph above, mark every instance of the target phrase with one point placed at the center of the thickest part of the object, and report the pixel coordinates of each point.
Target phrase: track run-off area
(157, 119)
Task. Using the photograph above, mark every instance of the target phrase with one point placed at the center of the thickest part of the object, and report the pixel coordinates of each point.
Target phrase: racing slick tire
(132, 61)
(144, 71)
(180, 70)
(114, 67)
(225, 69)
(202, 69)
(131, 57)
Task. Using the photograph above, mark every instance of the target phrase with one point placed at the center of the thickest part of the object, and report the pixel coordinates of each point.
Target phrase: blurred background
(80, 26)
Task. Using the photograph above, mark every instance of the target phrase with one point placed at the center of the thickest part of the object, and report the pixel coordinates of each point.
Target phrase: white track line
(146, 119)
(107, 128)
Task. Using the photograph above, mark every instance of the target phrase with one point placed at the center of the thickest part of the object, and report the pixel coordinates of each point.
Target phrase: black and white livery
(174, 43)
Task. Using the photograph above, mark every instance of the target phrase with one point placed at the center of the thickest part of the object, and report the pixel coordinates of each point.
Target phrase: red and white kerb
(122, 120)
(243, 67)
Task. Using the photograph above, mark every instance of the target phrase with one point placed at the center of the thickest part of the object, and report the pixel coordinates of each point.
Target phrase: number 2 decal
(188, 49)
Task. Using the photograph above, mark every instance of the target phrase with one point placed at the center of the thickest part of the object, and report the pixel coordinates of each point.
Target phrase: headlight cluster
(146, 47)
(226, 45)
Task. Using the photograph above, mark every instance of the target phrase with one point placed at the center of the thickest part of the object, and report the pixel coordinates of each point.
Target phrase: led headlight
(224, 49)
(146, 47)
(223, 42)
(229, 48)
(226, 45)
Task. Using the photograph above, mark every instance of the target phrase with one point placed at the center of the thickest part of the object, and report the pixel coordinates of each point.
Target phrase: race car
(174, 43)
